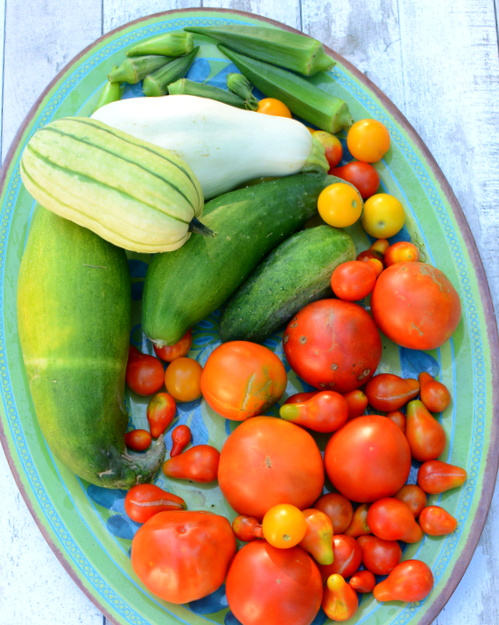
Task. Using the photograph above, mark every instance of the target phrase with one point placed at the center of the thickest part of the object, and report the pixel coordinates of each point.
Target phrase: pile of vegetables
(243, 208)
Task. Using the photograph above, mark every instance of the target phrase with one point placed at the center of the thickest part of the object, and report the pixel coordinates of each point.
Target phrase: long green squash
(74, 316)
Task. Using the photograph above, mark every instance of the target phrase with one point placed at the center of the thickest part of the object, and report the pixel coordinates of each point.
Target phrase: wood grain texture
(436, 61)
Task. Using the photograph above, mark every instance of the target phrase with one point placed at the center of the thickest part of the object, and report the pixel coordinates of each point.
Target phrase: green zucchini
(295, 273)
(74, 318)
(184, 286)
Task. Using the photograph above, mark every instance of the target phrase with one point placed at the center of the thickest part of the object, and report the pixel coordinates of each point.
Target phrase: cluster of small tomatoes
(321, 495)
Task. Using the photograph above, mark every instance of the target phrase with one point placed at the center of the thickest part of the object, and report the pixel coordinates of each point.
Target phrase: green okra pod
(241, 86)
(135, 69)
(291, 50)
(111, 92)
(184, 86)
(156, 84)
(175, 43)
(301, 96)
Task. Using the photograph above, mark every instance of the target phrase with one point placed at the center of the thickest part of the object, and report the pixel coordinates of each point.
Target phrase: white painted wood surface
(436, 60)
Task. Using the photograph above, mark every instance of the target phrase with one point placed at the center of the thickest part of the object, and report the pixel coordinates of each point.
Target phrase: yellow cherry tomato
(183, 379)
(284, 526)
(272, 106)
(368, 140)
(383, 216)
(340, 204)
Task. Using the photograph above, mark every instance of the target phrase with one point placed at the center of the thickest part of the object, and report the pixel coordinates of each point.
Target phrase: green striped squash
(135, 195)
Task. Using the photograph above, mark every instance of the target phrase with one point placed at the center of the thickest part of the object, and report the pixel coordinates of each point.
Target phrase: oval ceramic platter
(85, 525)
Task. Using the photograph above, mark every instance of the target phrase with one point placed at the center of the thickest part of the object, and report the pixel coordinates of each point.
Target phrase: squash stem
(200, 228)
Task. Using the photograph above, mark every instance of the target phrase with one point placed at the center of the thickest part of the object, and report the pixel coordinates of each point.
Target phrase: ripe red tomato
(388, 391)
(414, 496)
(347, 557)
(144, 373)
(353, 280)
(390, 518)
(181, 556)
(332, 146)
(160, 413)
(138, 440)
(144, 500)
(273, 586)
(362, 175)
(338, 508)
(368, 458)
(198, 464)
(415, 305)
(181, 436)
(379, 556)
(242, 379)
(332, 344)
(401, 252)
(170, 352)
(267, 461)
(410, 580)
(436, 521)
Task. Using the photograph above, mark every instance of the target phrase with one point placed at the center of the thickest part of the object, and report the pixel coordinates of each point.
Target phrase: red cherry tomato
(379, 556)
(435, 521)
(387, 391)
(144, 500)
(414, 496)
(401, 252)
(411, 580)
(198, 464)
(180, 349)
(357, 403)
(426, 436)
(144, 373)
(338, 508)
(435, 476)
(181, 437)
(362, 175)
(392, 519)
(160, 413)
(332, 146)
(362, 581)
(246, 528)
(347, 557)
(358, 526)
(325, 411)
(318, 538)
(434, 394)
(138, 440)
(353, 280)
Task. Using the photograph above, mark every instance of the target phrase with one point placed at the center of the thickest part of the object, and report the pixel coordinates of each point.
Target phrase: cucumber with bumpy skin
(294, 274)
(74, 317)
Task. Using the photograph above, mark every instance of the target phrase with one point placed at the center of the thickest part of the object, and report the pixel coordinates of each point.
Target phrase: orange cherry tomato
(144, 500)
(340, 601)
(138, 440)
(273, 106)
(160, 412)
(183, 379)
(284, 526)
(340, 204)
(368, 140)
(401, 252)
(170, 352)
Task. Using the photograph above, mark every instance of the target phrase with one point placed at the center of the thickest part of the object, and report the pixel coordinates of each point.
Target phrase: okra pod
(302, 97)
(135, 69)
(241, 86)
(111, 92)
(175, 43)
(294, 51)
(185, 86)
(156, 84)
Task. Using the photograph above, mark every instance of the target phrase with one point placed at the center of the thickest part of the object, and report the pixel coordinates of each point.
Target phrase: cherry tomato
(299, 398)
(362, 581)
(338, 508)
(415, 305)
(242, 379)
(435, 521)
(318, 539)
(379, 556)
(144, 500)
(398, 417)
(325, 411)
(181, 437)
(273, 586)
(340, 601)
(198, 464)
(183, 555)
(435, 476)
(138, 440)
(362, 175)
(383, 215)
(368, 140)
(380, 246)
(392, 519)
(387, 391)
(340, 205)
(257, 470)
(284, 526)
(426, 436)
(401, 252)
(414, 496)
(353, 280)
(411, 580)
(160, 413)
(332, 146)
(333, 345)
(144, 373)
(183, 379)
(273, 106)
(170, 352)
(357, 403)
(358, 526)
(246, 528)
(434, 394)
(347, 557)
(368, 458)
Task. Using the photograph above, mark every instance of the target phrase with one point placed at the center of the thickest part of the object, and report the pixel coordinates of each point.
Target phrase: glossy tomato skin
(267, 461)
(368, 458)
(333, 345)
(415, 305)
(254, 378)
(271, 586)
(182, 555)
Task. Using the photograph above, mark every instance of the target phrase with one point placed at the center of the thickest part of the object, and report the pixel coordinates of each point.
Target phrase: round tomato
(242, 379)
(363, 176)
(182, 379)
(267, 461)
(144, 373)
(273, 586)
(415, 305)
(170, 352)
(353, 280)
(368, 140)
(273, 106)
(383, 216)
(181, 556)
(333, 147)
(368, 458)
(401, 252)
(284, 526)
(332, 344)
(340, 205)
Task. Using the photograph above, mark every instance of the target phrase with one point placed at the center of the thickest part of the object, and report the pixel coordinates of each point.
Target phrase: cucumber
(295, 273)
(184, 286)
(74, 318)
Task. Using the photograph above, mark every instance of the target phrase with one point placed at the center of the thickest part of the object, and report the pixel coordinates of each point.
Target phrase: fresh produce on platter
(325, 486)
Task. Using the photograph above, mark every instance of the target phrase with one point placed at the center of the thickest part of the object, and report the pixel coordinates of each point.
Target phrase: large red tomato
(368, 458)
(242, 379)
(273, 586)
(267, 461)
(415, 305)
(181, 556)
(332, 344)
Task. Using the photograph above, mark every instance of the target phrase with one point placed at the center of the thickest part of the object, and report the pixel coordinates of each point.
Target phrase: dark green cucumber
(184, 286)
(74, 317)
(296, 272)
